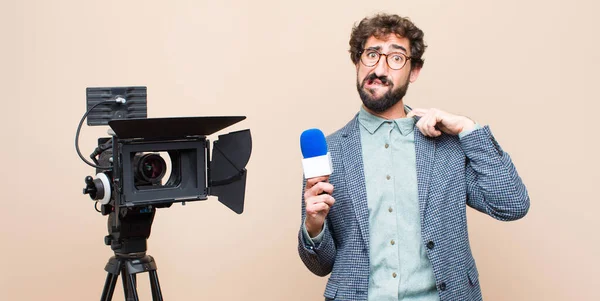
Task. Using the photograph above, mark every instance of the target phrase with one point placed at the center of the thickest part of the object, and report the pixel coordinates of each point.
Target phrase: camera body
(139, 180)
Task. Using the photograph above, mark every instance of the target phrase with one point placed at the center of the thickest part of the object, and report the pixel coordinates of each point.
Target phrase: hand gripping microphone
(317, 161)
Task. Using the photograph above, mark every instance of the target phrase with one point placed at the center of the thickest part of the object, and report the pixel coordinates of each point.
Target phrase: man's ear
(414, 74)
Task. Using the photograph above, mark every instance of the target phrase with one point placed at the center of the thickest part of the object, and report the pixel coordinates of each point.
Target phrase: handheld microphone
(317, 161)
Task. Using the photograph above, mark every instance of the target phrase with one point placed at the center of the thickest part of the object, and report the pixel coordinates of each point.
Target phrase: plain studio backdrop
(527, 68)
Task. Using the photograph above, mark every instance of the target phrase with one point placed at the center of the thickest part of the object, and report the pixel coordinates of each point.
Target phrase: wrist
(312, 229)
(468, 125)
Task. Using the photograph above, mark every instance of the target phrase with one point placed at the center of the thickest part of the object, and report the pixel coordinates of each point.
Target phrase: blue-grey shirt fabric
(399, 266)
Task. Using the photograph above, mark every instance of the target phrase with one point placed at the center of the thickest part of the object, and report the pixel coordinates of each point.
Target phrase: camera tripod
(128, 265)
(128, 234)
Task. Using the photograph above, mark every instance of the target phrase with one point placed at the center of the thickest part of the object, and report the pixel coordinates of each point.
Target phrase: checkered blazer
(451, 174)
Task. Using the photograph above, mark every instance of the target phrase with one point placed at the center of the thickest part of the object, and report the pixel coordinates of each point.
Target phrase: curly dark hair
(381, 25)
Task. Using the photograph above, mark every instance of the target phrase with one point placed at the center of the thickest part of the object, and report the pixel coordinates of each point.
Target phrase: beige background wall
(527, 68)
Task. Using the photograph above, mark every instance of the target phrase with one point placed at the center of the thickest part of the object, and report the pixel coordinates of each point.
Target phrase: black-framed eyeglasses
(395, 60)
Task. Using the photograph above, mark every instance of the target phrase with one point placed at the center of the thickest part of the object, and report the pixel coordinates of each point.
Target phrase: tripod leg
(155, 286)
(134, 280)
(109, 287)
(133, 288)
(126, 286)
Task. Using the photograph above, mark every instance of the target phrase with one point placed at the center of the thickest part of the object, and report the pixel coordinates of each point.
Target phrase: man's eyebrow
(396, 46)
(392, 46)
(378, 48)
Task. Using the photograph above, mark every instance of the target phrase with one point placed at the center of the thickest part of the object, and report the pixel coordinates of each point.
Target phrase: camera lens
(150, 168)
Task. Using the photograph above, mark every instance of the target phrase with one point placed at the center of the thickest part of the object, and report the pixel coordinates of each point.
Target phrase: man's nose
(382, 69)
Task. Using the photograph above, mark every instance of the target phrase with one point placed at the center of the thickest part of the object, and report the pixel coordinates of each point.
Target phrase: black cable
(77, 136)
(99, 150)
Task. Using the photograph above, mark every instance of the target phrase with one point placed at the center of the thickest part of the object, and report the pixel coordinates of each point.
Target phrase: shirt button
(394, 275)
(387, 145)
(388, 177)
(390, 209)
(393, 242)
(443, 286)
(430, 245)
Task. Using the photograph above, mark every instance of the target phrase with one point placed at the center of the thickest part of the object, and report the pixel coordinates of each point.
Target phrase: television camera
(133, 178)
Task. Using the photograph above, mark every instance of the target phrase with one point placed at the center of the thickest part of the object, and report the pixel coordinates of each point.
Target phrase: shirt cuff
(313, 241)
(467, 132)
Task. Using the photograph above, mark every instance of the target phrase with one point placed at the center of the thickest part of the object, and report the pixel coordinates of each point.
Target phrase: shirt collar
(373, 123)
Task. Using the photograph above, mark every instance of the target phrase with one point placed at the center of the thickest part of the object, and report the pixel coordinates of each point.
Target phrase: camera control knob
(98, 188)
(107, 240)
(90, 187)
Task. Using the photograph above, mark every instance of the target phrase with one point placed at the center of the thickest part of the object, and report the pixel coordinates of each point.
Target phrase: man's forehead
(387, 41)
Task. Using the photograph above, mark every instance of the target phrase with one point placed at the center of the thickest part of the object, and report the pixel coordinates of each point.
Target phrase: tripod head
(129, 230)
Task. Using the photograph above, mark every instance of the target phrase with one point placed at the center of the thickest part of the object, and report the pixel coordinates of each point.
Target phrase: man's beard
(387, 100)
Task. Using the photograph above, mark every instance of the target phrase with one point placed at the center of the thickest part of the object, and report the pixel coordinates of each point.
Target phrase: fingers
(428, 121)
(323, 198)
(319, 205)
(429, 125)
(317, 189)
(326, 199)
(314, 195)
(312, 181)
(317, 208)
(434, 122)
(417, 112)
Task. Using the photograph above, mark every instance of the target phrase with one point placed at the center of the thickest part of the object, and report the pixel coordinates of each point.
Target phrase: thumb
(416, 112)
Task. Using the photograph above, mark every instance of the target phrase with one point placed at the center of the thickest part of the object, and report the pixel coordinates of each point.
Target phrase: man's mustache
(372, 77)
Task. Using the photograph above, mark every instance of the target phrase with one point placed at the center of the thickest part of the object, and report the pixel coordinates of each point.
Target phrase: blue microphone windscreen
(313, 143)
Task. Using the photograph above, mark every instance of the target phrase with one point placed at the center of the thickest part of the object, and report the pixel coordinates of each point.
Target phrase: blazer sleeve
(319, 257)
(493, 184)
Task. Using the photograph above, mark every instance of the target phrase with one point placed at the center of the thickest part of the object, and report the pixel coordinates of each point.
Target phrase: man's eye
(397, 58)
(372, 55)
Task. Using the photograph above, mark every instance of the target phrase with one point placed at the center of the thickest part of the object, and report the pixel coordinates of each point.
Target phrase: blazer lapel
(355, 176)
(425, 153)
